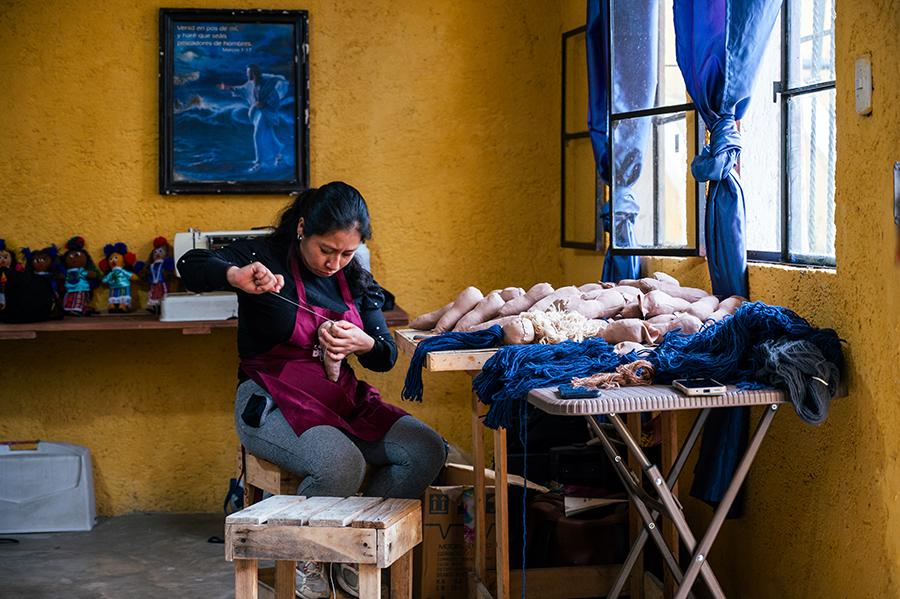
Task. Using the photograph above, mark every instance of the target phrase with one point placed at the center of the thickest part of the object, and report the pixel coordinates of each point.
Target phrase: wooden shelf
(143, 320)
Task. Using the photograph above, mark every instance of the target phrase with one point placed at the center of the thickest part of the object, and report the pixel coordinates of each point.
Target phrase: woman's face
(326, 254)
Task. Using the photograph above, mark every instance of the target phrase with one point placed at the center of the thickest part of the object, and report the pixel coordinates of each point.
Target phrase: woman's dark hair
(332, 207)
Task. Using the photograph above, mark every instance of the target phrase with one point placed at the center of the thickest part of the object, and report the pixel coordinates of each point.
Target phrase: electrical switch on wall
(864, 85)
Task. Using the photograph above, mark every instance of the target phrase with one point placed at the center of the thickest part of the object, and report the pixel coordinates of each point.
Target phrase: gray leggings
(332, 463)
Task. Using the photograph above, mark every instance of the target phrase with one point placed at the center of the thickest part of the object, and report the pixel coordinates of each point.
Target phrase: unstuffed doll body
(7, 259)
(117, 265)
(82, 277)
(43, 263)
(158, 271)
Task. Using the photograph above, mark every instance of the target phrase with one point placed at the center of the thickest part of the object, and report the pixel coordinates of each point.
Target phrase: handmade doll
(82, 277)
(7, 259)
(159, 271)
(43, 263)
(118, 266)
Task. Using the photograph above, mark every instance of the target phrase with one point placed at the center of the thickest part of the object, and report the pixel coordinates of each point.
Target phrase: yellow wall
(444, 116)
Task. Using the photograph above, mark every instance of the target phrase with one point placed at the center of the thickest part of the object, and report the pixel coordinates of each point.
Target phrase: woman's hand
(344, 338)
(254, 278)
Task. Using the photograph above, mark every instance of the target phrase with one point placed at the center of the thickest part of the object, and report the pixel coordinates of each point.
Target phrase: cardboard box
(446, 555)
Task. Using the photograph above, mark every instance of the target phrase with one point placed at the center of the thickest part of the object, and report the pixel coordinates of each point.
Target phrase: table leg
(369, 581)
(401, 577)
(480, 503)
(285, 579)
(669, 532)
(501, 504)
(245, 579)
(636, 523)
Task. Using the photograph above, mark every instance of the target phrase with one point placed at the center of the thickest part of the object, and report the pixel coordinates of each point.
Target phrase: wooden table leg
(245, 579)
(669, 532)
(401, 577)
(285, 579)
(369, 581)
(501, 504)
(634, 520)
(480, 499)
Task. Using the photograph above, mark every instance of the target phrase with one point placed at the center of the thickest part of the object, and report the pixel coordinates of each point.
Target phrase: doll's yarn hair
(158, 243)
(11, 248)
(117, 248)
(50, 251)
(76, 244)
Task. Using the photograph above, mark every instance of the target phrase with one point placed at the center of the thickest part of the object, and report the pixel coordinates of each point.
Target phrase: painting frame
(233, 101)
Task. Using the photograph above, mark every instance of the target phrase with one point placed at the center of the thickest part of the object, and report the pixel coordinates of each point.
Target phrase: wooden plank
(386, 513)
(401, 577)
(301, 543)
(245, 579)
(285, 579)
(501, 505)
(260, 512)
(480, 498)
(369, 581)
(473, 359)
(477, 590)
(269, 477)
(343, 512)
(299, 514)
(398, 540)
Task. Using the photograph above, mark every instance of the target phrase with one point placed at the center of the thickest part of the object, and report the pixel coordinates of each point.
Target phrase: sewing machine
(213, 305)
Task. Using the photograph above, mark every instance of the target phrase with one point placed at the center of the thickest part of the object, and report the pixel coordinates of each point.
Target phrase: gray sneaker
(348, 577)
(311, 583)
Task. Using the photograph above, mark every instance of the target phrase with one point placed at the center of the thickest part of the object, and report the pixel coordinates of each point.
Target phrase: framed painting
(233, 101)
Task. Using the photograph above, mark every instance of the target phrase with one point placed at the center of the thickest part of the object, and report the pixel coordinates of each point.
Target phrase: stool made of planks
(260, 475)
(372, 532)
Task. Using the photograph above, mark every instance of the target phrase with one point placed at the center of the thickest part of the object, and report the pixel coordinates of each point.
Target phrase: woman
(287, 411)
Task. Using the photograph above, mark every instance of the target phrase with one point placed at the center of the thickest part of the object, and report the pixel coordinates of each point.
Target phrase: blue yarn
(725, 350)
(412, 387)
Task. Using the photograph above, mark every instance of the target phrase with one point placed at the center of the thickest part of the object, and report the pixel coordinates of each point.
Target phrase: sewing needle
(293, 303)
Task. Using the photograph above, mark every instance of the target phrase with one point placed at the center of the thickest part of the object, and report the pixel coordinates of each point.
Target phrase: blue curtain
(719, 45)
(635, 40)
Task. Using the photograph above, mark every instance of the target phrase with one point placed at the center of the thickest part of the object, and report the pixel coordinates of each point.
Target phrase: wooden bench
(372, 532)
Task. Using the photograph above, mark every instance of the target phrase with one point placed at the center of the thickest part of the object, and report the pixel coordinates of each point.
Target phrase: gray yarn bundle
(799, 366)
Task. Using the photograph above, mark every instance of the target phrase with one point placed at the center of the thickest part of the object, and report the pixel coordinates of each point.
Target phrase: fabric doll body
(119, 281)
(78, 291)
(158, 285)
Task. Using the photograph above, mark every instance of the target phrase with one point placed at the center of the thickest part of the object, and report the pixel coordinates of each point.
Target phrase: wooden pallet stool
(372, 532)
(260, 475)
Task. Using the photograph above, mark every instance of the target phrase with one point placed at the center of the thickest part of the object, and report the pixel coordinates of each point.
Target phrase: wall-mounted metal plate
(897, 193)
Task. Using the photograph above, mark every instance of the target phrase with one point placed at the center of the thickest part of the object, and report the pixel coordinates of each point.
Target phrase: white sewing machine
(213, 305)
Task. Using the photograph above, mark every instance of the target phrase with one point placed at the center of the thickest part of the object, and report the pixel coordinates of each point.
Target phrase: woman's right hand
(254, 278)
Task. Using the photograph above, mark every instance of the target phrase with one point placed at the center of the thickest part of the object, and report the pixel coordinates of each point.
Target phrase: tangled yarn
(800, 367)
(639, 372)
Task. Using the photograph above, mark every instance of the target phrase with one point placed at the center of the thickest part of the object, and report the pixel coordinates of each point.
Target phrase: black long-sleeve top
(264, 321)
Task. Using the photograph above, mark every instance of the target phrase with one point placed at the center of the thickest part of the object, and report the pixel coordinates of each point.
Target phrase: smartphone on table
(699, 386)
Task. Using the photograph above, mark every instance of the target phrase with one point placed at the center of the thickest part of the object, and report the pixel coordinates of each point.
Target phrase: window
(653, 136)
(786, 170)
(796, 183)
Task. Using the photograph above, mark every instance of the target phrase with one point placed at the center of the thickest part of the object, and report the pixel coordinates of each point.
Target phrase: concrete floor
(147, 556)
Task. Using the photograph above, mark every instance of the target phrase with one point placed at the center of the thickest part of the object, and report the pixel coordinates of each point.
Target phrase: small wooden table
(547, 583)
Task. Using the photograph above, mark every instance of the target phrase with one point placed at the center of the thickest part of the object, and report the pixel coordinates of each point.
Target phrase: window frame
(782, 93)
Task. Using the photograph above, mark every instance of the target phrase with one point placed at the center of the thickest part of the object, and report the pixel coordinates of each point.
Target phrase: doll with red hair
(118, 266)
(158, 271)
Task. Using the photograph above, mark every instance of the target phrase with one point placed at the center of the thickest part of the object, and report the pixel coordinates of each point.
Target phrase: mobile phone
(567, 391)
(699, 386)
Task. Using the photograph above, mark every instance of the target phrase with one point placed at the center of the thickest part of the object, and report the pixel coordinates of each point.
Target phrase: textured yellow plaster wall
(445, 117)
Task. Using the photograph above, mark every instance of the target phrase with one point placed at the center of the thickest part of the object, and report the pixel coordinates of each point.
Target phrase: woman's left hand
(345, 338)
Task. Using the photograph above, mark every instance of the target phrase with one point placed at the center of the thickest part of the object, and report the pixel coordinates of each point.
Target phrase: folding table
(660, 500)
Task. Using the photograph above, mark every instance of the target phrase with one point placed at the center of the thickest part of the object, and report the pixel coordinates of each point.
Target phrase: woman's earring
(299, 237)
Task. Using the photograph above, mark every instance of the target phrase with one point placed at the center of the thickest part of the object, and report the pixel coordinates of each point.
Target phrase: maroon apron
(295, 377)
